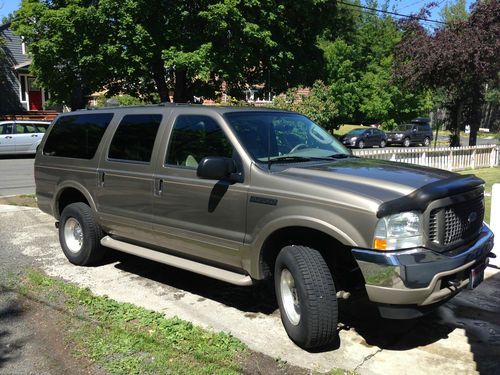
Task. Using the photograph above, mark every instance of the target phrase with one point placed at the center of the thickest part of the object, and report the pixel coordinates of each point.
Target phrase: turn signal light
(380, 244)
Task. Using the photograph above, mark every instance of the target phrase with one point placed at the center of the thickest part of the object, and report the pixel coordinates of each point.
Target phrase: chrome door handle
(34, 135)
(8, 137)
(158, 188)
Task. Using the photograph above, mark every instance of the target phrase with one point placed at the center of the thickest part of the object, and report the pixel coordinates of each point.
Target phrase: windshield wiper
(289, 159)
(339, 156)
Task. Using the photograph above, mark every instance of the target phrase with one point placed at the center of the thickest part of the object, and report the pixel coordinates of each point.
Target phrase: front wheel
(406, 142)
(383, 143)
(80, 236)
(427, 141)
(306, 296)
(361, 144)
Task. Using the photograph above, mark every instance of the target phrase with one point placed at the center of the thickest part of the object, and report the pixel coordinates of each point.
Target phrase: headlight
(399, 135)
(353, 139)
(399, 231)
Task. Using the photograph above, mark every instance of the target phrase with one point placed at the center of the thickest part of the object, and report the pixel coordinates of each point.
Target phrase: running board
(186, 264)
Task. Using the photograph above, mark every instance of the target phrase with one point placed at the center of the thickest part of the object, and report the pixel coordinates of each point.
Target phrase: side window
(7, 129)
(40, 128)
(134, 138)
(25, 128)
(195, 137)
(77, 136)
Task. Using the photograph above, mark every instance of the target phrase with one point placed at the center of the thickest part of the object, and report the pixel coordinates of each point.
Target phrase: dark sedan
(362, 138)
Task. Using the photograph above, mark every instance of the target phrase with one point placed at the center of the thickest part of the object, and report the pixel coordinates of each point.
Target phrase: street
(16, 175)
(461, 337)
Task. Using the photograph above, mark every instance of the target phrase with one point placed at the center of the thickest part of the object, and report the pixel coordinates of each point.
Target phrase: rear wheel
(427, 141)
(406, 142)
(80, 236)
(306, 296)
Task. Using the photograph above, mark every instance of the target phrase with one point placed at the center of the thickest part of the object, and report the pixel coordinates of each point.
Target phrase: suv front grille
(456, 223)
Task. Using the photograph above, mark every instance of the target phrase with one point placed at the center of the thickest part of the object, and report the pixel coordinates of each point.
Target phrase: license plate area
(476, 276)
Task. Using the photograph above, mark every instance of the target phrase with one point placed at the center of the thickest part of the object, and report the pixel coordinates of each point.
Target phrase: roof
(198, 107)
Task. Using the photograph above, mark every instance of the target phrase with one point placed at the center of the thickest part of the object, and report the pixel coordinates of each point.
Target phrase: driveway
(16, 175)
(461, 337)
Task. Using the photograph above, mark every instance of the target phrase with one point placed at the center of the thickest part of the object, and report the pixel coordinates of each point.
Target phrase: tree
(460, 58)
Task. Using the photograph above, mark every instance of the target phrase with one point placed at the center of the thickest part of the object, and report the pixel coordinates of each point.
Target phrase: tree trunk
(475, 117)
(180, 94)
(160, 81)
(78, 100)
(455, 118)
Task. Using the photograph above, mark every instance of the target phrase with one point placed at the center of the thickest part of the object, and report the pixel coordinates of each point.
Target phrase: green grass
(126, 339)
(346, 128)
(490, 177)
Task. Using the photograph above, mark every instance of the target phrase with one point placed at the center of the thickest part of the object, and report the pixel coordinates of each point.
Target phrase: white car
(21, 136)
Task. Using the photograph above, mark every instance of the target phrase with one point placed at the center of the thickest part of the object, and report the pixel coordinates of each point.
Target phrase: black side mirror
(218, 168)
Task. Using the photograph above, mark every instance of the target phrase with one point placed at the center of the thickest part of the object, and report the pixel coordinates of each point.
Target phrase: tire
(427, 141)
(361, 144)
(80, 236)
(383, 143)
(306, 297)
(406, 142)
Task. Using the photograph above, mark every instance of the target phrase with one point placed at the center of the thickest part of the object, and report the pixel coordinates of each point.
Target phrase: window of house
(195, 137)
(77, 136)
(22, 78)
(135, 137)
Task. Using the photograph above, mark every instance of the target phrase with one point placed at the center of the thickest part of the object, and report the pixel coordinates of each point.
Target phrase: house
(18, 90)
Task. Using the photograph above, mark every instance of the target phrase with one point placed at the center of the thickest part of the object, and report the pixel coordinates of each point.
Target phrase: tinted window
(195, 137)
(135, 137)
(25, 128)
(77, 136)
(6, 128)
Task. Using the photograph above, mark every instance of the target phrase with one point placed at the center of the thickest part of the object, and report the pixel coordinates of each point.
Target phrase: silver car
(21, 136)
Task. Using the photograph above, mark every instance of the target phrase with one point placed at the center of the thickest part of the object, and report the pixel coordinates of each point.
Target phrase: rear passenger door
(25, 137)
(198, 217)
(125, 177)
(7, 145)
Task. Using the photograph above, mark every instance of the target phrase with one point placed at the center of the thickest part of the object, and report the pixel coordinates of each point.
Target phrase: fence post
(495, 221)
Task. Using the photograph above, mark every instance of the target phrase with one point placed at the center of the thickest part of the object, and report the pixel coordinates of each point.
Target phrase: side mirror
(217, 168)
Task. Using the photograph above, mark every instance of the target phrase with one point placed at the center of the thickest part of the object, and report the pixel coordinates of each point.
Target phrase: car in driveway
(246, 195)
(362, 138)
(21, 136)
(418, 132)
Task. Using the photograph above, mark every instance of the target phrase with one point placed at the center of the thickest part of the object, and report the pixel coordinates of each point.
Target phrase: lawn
(490, 177)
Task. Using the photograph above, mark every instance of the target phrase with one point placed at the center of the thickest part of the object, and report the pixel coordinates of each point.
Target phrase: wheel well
(68, 196)
(339, 258)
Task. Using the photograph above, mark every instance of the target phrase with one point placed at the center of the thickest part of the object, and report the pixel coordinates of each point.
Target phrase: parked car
(419, 131)
(362, 137)
(21, 137)
(249, 194)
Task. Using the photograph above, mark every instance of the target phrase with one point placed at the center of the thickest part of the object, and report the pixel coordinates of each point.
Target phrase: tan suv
(241, 195)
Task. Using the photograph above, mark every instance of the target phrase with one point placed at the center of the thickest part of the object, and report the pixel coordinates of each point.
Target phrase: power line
(391, 13)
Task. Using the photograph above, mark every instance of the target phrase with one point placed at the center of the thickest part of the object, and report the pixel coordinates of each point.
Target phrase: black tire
(90, 251)
(427, 141)
(383, 143)
(314, 290)
(406, 142)
(361, 144)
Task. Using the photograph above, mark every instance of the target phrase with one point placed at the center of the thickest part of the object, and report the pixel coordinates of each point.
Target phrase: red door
(35, 100)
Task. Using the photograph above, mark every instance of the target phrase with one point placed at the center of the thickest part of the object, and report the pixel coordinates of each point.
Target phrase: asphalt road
(461, 337)
(16, 175)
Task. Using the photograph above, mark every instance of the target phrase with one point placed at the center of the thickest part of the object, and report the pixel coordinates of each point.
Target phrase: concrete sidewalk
(461, 337)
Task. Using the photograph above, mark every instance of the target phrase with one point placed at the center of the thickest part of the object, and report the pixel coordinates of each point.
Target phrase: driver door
(198, 217)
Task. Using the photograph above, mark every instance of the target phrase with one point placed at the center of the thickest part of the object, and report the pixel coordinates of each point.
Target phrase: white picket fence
(450, 158)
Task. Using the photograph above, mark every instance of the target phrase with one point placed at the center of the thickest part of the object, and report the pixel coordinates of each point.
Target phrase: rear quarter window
(77, 136)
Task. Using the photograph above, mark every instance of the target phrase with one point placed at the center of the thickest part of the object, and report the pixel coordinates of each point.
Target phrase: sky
(399, 6)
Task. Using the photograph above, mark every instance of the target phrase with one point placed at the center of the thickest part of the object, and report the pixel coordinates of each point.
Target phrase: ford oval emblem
(472, 217)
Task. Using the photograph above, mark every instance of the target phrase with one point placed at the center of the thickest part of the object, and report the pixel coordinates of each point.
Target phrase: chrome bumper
(420, 276)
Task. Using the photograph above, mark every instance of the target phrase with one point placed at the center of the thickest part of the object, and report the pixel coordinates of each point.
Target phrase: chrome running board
(186, 264)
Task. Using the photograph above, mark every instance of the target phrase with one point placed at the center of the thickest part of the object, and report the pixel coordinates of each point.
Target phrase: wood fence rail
(450, 158)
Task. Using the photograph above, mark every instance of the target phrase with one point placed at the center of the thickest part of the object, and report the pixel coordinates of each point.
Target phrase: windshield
(403, 127)
(356, 132)
(283, 136)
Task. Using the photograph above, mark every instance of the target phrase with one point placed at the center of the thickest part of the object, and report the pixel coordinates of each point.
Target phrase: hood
(379, 180)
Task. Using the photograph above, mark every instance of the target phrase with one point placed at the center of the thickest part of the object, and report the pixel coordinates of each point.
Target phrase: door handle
(158, 188)
(34, 135)
(100, 179)
(8, 137)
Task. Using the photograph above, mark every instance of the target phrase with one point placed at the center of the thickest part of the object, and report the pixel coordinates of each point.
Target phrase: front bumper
(420, 276)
